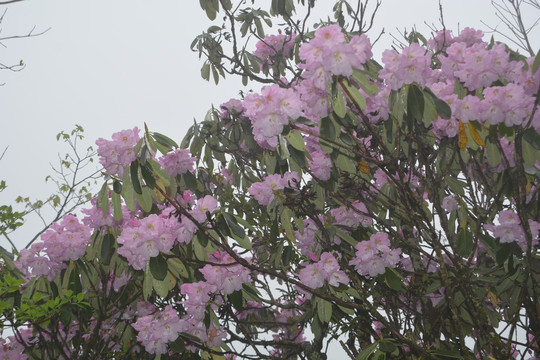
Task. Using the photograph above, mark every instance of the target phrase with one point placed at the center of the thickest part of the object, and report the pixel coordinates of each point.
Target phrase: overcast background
(115, 64)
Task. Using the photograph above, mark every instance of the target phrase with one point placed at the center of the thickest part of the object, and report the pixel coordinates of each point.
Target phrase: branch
(9, 2)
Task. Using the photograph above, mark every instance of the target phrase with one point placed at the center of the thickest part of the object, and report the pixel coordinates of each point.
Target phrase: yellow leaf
(475, 135)
(363, 167)
(159, 197)
(462, 136)
(494, 299)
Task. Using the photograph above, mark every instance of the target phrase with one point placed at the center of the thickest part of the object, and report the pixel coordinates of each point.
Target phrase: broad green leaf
(327, 128)
(393, 280)
(164, 140)
(107, 248)
(147, 282)
(148, 176)
(286, 223)
(362, 79)
(162, 287)
(339, 103)
(536, 63)
(177, 268)
(366, 353)
(103, 198)
(442, 108)
(233, 225)
(128, 192)
(430, 112)
(465, 243)
(296, 140)
(530, 154)
(298, 156)
(355, 96)
(324, 310)
(346, 164)
(190, 180)
(145, 199)
(456, 185)
(493, 155)
(283, 150)
(415, 102)
(158, 267)
(117, 206)
(134, 171)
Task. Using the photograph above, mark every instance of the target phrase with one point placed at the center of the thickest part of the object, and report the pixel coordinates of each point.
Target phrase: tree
(392, 209)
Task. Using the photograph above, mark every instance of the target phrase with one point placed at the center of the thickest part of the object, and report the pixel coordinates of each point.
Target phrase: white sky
(115, 64)
(112, 65)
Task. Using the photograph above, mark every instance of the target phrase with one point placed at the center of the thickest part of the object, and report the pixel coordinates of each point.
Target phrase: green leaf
(415, 102)
(532, 137)
(327, 128)
(430, 112)
(158, 267)
(536, 63)
(134, 171)
(465, 243)
(103, 198)
(177, 268)
(355, 96)
(117, 206)
(233, 225)
(128, 193)
(455, 185)
(296, 140)
(298, 156)
(145, 199)
(324, 310)
(164, 140)
(147, 282)
(442, 108)
(107, 248)
(162, 287)
(366, 353)
(393, 280)
(362, 79)
(346, 164)
(493, 155)
(148, 176)
(237, 300)
(339, 104)
(190, 180)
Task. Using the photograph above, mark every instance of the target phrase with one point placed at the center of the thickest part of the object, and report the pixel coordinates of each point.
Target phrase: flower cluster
(273, 46)
(155, 331)
(352, 216)
(177, 162)
(320, 165)
(225, 279)
(374, 256)
(11, 350)
(270, 111)
(119, 152)
(412, 65)
(142, 239)
(63, 241)
(510, 229)
(329, 53)
(326, 269)
(263, 191)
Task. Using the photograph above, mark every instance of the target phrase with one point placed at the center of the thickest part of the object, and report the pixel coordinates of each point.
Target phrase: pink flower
(177, 162)
(115, 155)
